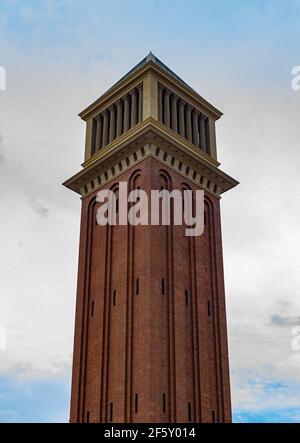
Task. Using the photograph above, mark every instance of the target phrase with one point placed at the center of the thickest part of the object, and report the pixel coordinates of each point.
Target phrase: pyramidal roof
(151, 58)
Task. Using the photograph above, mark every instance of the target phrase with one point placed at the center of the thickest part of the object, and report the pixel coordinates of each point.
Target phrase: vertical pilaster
(99, 132)
(212, 138)
(202, 132)
(88, 139)
(126, 123)
(167, 108)
(160, 102)
(181, 122)
(140, 103)
(188, 122)
(195, 118)
(119, 118)
(112, 123)
(174, 99)
(105, 127)
(134, 110)
(150, 98)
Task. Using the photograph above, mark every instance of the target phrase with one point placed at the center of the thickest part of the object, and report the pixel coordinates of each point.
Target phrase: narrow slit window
(92, 309)
(186, 297)
(88, 416)
(164, 403)
(136, 399)
(205, 221)
(190, 411)
(208, 308)
(162, 286)
(213, 416)
(137, 286)
(114, 297)
(111, 411)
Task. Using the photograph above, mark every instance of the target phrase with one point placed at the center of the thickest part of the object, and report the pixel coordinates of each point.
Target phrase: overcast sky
(59, 57)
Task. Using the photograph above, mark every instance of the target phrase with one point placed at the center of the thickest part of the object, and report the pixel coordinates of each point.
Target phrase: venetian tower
(150, 332)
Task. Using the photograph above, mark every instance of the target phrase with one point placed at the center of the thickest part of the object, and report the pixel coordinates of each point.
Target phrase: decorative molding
(170, 149)
(98, 179)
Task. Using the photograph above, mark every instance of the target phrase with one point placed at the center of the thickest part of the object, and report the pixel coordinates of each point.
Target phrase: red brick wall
(150, 356)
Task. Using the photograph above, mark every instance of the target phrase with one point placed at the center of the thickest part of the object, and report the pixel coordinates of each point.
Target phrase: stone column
(160, 102)
(99, 133)
(188, 122)
(134, 110)
(174, 99)
(181, 122)
(105, 128)
(195, 119)
(112, 123)
(202, 132)
(119, 118)
(126, 124)
(167, 107)
(140, 103)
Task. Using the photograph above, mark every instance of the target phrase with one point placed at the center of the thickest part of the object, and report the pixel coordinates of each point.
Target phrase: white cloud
(258, 390)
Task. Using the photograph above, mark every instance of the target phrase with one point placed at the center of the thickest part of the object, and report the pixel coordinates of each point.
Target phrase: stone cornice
(150, 138)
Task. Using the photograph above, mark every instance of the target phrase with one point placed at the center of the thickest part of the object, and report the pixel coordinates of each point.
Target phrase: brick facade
(150, 335)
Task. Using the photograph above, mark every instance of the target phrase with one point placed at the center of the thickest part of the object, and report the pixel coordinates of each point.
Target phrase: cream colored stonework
(150, 137)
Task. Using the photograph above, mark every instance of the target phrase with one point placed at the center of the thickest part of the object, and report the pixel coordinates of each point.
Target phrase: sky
(61, 56)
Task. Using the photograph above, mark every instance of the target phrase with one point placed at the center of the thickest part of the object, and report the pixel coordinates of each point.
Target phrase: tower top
(150, 111)
(151, 63)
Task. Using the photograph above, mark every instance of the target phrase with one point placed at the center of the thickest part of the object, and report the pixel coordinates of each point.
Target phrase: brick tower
(150, 334)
